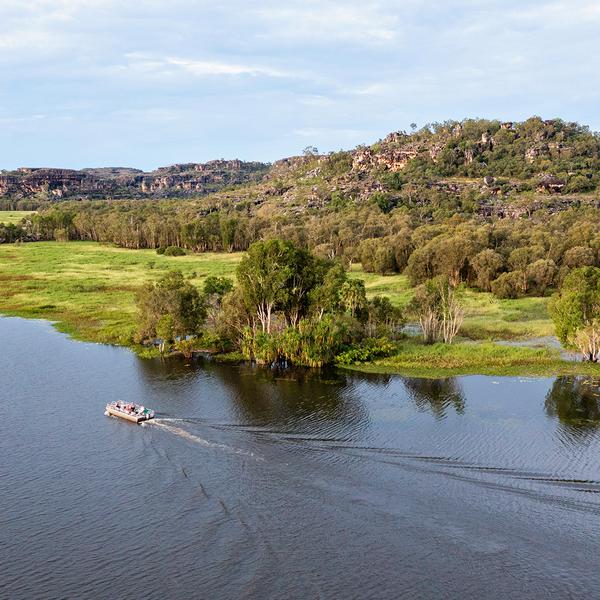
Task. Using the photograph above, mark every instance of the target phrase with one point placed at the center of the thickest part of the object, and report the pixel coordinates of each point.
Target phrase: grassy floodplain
(487, 317)
(88, 289)
(8, 217)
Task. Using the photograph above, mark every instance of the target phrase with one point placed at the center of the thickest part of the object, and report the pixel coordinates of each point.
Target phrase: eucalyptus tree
(263, 276)
(172, 305)
(575, 310)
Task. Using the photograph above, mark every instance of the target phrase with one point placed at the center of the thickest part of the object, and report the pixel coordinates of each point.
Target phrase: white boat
(129, 411)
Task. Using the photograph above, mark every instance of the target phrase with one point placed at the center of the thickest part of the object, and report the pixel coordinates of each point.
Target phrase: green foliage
(486, 265)
(367, 351)
(541, 275)
(327, 297)
(322, 339)
(580, 184)
(579, 256)
(383, 201)
(164, 328)
(264, 277)
(186, 346)
(377, 256)
(439, 309)
(169, 307)
(577, 303)
(217, 286)
(174, 251)
(314, 343)
(87, 289)
(354, 298)
(384, 319)
(507, 285)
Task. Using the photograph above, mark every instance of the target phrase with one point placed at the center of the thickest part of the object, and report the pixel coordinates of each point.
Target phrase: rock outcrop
(177, 180)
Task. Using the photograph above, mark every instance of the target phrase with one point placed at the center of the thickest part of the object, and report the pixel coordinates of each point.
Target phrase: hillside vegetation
(505, 208)
(503, 211)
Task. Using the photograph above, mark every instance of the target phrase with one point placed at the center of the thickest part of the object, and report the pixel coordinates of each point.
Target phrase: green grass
(13, 216)
(486, 317)
(89, 288)
(467, 358)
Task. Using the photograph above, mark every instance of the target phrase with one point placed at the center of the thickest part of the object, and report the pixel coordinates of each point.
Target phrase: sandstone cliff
(177, 180)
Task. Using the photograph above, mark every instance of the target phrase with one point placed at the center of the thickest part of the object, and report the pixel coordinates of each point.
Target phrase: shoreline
(442, 360)
(87, 289)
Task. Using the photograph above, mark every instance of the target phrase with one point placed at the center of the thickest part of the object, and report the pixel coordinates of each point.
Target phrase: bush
(370, 349)
(580, 184)
(61, 235)
(174, 251)
(508, 285)
(160, 250)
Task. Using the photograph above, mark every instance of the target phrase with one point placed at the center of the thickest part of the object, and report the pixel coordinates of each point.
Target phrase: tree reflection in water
(282, 399)
(288, 397)
(436, 395)
(575, 401)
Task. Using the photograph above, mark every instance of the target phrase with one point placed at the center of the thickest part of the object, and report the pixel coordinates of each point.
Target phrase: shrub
(370, 349)
(508, 285)
(174, 251)
(61, 235)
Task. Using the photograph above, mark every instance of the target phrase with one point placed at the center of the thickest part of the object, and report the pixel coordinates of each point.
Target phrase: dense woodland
(289, 306)
(507, 208)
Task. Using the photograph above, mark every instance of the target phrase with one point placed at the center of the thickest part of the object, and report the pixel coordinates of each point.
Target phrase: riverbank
(87, 290)
(414, 358)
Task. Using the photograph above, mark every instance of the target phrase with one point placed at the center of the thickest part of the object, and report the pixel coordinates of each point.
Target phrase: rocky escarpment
(475, 165)
(177, 180)
(489, 148)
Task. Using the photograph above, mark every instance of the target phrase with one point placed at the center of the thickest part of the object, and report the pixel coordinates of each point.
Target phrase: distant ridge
(122, 182)
(476, 158)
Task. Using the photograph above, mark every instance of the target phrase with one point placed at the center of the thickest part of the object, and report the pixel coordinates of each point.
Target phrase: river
(253, 484)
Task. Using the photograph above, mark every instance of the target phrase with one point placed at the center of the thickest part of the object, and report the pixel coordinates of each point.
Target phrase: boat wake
(165, 425)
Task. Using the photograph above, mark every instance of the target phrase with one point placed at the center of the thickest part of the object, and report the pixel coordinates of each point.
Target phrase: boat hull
(128, 417)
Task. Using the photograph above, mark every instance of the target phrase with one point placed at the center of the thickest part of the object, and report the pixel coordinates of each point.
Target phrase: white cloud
(559, 14)
(316, 100)
(173, 66)
(271, 73)
(212, 67)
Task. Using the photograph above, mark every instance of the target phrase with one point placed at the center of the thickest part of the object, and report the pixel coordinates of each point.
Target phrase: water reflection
(284, 400)
(436, 395)
(575, 401)
(294, 399)
(250, 497)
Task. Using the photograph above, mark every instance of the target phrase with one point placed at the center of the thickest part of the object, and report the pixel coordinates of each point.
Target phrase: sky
(146, 83)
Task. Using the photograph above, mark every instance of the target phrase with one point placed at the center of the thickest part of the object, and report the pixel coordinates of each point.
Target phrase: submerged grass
(468, 358)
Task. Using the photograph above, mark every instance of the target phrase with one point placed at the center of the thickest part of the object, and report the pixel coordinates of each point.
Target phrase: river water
(252, 484)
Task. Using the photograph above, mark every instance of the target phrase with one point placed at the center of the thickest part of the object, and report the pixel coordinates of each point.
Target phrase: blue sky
(146, 83)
